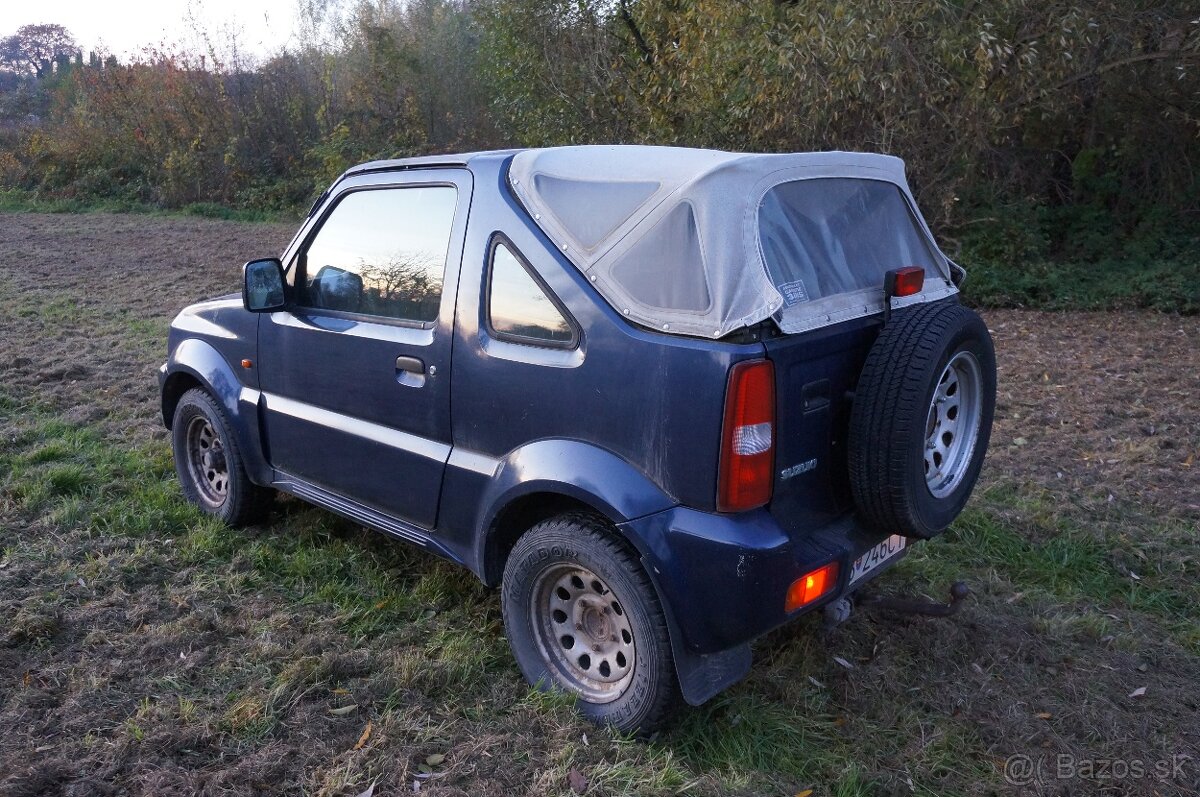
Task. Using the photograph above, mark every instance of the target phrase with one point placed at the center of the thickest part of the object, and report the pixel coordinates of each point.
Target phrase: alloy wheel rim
(207, 463)
(952, 424)
(583, 633)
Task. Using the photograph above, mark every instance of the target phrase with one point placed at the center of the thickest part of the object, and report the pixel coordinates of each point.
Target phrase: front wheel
(209, 464)
(582, 617)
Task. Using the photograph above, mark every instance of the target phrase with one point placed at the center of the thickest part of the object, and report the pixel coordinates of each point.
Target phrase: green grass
(1064, 563)
(130, 327)
(776, 734)
(444, 625)
(19, 201)
(58, 310)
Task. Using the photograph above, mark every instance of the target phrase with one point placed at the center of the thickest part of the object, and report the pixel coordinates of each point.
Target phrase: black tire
(894, 418)
(234, 499)
(569, 544)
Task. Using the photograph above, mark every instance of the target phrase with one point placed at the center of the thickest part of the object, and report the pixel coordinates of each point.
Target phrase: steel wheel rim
(952, 425)
(207, 463)
(583, 633)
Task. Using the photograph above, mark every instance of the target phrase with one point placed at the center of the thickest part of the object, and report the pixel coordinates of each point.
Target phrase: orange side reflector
(811, 586)
(247, 364)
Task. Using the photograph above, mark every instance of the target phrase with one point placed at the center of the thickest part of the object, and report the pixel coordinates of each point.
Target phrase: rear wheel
(209, 463)
(921, 419)
(582, 617)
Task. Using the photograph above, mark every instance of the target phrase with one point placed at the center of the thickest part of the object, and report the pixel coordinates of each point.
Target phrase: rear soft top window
(829, 236)
(702, 242)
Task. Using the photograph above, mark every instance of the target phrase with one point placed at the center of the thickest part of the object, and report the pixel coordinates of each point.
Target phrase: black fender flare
(196, 361)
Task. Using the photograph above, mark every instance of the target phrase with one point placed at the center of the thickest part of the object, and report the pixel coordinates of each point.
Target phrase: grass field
(147, 650)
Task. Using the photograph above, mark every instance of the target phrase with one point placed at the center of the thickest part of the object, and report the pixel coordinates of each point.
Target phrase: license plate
(881, 554)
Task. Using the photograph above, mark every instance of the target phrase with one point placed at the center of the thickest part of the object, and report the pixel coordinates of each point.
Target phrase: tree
(33, 49)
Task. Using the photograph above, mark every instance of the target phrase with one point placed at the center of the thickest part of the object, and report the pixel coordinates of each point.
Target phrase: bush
(1080, 257)
(1034, 133)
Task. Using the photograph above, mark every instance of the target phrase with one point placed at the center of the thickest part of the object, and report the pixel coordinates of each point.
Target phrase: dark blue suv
(666, 399)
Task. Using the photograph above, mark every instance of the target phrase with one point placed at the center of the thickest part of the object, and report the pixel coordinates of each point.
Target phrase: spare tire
(921, 419)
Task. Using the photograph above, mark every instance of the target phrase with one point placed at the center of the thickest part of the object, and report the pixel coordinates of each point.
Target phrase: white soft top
(670, 236)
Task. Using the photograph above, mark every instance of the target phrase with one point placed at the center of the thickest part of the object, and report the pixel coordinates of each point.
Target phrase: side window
(382, 252)
(518, 306)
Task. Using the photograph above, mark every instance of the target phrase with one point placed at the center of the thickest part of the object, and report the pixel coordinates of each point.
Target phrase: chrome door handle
(410, 364)
(410, 371)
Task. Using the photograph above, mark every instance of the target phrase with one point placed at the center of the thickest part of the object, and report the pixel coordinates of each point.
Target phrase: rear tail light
(748, 438)
(904, 281)
(811, 586)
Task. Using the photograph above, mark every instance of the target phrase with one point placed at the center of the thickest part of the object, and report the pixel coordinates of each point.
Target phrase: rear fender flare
(573, 469)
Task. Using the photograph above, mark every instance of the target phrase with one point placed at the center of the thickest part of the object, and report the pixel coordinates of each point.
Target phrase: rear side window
(828, 236)
(382, 252)
(519, 307)
(666, 268)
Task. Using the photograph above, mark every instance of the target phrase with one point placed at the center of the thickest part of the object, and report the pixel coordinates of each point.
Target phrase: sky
(123, 27)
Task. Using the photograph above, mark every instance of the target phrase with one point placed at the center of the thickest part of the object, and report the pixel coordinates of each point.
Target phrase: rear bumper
(724, 580)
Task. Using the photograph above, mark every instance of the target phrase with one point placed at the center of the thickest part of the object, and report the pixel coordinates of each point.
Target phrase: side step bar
(352, 510)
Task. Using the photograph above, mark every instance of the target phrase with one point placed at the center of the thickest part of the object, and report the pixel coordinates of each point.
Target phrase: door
(355, 373)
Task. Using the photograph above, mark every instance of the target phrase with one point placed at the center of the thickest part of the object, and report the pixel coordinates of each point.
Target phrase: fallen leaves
(425, 768)
(343, 710)
(577, 781)
(1092, 414)
(366, 734)
(843, 662)
(1141, 690)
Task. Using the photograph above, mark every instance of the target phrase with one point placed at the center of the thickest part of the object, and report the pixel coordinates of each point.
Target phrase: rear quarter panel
(653, 401)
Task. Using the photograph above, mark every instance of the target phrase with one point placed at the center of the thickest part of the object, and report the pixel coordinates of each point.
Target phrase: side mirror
(262, 285)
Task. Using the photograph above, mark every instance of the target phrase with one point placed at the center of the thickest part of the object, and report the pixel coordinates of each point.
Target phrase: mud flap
(703, 677)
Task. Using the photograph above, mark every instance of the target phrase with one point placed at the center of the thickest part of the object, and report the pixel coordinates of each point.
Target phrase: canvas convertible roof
(670, 236)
